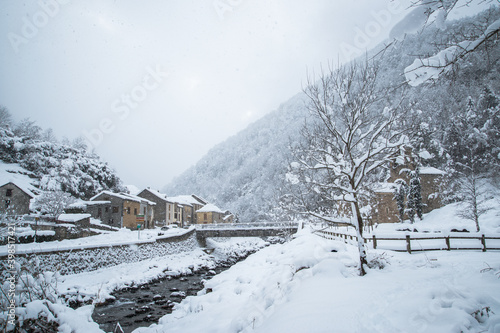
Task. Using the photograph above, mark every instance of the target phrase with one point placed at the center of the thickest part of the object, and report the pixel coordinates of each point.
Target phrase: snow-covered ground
(302, 286)
(123, 236)
(445, 219)
(310, 284)
(99, 284)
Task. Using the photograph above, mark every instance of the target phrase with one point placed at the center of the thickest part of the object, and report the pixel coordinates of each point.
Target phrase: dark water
(139, 306)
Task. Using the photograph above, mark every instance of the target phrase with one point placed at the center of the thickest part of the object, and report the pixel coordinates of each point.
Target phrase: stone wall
(76, 261)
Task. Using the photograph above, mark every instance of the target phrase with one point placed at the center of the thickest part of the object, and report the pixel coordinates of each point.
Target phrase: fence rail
(476, 242)
(256, 225)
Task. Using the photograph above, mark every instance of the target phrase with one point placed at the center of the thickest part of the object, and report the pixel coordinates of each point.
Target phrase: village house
(165, 211)
(228, 217)
(122, 210)
(190, 204)
(431, 181)
(15, 199)
(209, 214)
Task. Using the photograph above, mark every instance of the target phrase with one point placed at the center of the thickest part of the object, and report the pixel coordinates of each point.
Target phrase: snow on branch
(422, 70)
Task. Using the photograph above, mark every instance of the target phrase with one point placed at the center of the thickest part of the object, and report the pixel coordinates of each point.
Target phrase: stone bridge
(258, 229)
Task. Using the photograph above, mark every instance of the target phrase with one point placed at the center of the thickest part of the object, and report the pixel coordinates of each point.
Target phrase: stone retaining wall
(84, 260)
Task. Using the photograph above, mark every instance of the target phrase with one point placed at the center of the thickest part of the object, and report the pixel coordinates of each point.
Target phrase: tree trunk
(358, 224)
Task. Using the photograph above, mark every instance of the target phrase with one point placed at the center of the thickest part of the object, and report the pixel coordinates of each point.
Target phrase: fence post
(374, 242)
(447, 242)
(408, 245)
(483, 241)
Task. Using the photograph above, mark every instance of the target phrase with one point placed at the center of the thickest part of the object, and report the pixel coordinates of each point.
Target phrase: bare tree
(350, 138)
(473, 204)
(5, 117)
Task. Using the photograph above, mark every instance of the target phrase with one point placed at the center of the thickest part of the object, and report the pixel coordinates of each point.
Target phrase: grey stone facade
(160, 209)
(14, 200)
(108, 209)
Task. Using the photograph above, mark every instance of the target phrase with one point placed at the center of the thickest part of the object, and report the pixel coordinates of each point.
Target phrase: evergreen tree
(414, 204)
(400, 197)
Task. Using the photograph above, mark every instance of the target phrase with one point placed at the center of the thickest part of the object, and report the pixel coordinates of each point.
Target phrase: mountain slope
(243, 173)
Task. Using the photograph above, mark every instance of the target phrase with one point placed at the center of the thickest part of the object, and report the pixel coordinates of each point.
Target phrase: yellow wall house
(210, 213)
(124, 210)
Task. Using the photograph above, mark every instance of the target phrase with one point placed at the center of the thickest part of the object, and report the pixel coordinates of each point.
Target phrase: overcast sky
(153, 85)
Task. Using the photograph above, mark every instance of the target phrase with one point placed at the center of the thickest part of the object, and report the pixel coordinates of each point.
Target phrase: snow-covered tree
(472, 143)
(5, 117)
(350, 137)
(474, 198)
(435, 12)
(53, 202)
(414, 205)
(49, 136)
(27, 128)
(400, 191)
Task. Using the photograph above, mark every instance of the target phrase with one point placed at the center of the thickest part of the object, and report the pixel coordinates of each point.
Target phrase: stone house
(122, 210)
(210, 213)
(228, 217)
(165, 210)
(15, 199)
(431, 181)
(190, 204)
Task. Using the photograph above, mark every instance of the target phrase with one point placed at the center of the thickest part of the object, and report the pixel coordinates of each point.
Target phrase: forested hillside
(243, 173)
(453, 117)
(64, 166)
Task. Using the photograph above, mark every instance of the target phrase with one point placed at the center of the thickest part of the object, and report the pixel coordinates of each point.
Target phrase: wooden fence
(446, 242)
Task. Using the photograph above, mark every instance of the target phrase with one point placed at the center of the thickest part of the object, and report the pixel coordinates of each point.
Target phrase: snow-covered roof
(97, 202)
(384, 188)
(188, 200)
(425, 154)
(124, 196)
(22, 188)
(133, 189)
(136, 198)
(72, 217)
(210, 208)
(83, 204)
(431, 171)
(14, 173)
(157, 194)
(185, 200)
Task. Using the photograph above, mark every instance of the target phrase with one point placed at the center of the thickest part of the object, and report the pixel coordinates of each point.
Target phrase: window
(128, 210)
(106, 209)
(99, 212)
(115, 209)
(135, 211)
(7, 203)
(9, 192)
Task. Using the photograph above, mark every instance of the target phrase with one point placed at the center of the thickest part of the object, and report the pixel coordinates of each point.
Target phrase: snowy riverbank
(97, 286)
(302, 286)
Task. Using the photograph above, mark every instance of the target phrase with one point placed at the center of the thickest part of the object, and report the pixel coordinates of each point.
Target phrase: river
(142, 305)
